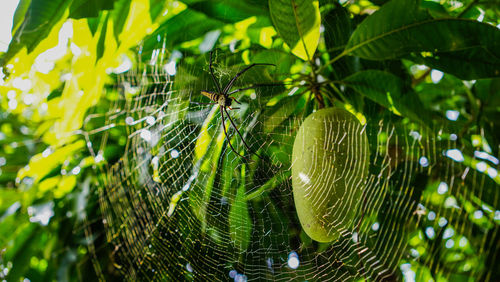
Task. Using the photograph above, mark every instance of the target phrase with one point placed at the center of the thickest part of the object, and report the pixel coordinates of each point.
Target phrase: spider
(222, 98)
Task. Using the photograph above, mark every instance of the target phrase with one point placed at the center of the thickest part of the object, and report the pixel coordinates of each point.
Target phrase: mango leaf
(229, 176)
(206, 136)
(437, 95)
(23, 249)
(280, 112)
(89, 8)
(267, 187)
(93, 23)
(55, 93)
(283, 61)
(102, 40)
(434, 8)
(41, 165)
(487, 89)
(40, 18)
(298, 23)
(156, 8)
(185, 26)
(207, 153)
(20, 14)
(228, 11)
(338, 29)
(240, 223)
(7, 198)
(275, 232)
(206, 187)
(465, 48)
(386, 89)
(119, 16)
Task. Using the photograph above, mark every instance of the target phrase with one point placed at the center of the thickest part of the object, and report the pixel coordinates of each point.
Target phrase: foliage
(416, 64)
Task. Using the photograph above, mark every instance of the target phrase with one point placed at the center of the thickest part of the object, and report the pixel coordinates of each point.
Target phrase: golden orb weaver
(223, 98)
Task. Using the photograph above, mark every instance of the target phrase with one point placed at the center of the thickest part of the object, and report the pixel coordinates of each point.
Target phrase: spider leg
(250, 87)
(236, 128)
(225, 132)
(212, 74)
(199, 103)
(234, 99)
(254, 86)
(230, 84)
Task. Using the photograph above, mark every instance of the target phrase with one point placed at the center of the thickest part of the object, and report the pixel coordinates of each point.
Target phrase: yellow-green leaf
(298, 23)
(41, 164)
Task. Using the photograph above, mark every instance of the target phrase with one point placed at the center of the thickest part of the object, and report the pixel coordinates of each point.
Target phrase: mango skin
(330, 162)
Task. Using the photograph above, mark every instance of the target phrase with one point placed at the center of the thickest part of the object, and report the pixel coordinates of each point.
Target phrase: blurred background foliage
(66, 56)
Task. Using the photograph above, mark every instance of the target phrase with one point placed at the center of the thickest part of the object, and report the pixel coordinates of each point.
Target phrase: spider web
(179, 204)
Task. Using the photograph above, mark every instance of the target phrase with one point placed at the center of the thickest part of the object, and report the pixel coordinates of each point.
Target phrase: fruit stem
(315, 86)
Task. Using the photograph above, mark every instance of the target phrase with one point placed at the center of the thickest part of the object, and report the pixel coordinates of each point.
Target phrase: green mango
(329, 169)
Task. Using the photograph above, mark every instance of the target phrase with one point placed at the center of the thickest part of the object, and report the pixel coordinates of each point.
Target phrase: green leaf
(207, 135)
(338, 29)
(240, 223)
(229, 176)
(93, 23)
(298, 23)
(7, 198)
(185, 26)
(465, 48)
(228, 11)
(267, 187)
(55, 93)
(39, 165)
(119, 16)
(386, 89)
(88, 8)
(19, 15)
(487, 90)
(434, 8)
(280, 112)
(275, 228)
(40, 18)
(23, 249)
(283, 61)
(208, 150)
(437, 95)
(102, 39)
(156, 8)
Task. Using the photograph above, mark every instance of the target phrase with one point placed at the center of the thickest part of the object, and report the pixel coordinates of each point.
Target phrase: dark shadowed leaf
(228, 11)
(338, 28)
(119, 16)
(387, 90)
(240, 223)
(22, 251)
(465, 48)
(185, 26)
(89, 8)
(102, 38)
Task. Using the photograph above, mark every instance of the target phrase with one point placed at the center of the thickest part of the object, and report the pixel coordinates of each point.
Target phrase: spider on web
(223, 98)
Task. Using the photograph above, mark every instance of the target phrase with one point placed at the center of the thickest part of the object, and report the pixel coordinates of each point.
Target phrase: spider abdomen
(211, 95)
